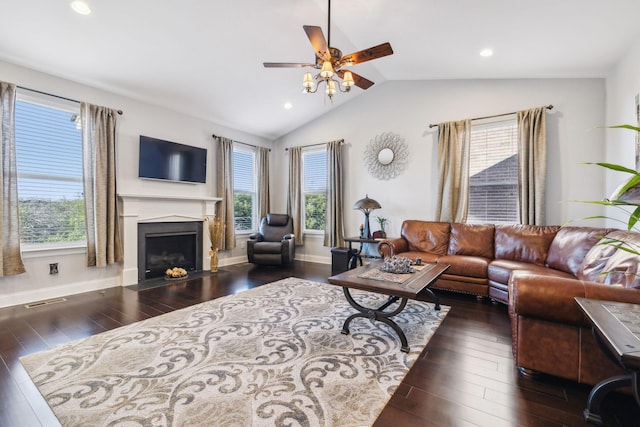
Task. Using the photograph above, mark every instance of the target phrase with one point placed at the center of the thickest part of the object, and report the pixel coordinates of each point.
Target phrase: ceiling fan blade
(287, 65)
(319, 43)
(361, 82)
(374, 52)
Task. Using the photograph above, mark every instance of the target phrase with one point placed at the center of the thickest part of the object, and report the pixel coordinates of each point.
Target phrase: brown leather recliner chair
(275, 243)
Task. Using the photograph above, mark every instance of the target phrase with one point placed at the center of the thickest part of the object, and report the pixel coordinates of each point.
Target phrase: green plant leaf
(614, 167)
(595, 202)
(637, 129)
(633, 218)
(621, 245)
(632, 182)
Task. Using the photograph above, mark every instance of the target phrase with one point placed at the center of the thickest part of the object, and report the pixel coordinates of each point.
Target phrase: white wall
(623, 85)
(408, 107)
(138, 119)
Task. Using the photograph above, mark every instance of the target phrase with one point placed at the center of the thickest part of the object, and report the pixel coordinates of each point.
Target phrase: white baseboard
(26, 297)
(232, 260)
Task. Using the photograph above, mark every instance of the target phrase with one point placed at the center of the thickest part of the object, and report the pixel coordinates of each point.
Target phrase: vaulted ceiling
(204, 57)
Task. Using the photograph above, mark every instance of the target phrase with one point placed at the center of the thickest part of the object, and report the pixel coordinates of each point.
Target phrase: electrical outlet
(53, 268)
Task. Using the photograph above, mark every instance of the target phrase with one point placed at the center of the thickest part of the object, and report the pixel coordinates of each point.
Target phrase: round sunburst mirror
(386, 156)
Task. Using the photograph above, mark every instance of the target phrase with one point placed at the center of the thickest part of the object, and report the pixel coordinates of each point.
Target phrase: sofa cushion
(426, 236)
(607, 264)
(499, 271)
(570, 246)
(471, 239)
(466, 266)
(527, 243)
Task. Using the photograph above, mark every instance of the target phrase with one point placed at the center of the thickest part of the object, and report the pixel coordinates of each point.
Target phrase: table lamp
(366, 205)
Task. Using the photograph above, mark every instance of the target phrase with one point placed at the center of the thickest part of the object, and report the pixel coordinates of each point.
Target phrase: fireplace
(163, 245)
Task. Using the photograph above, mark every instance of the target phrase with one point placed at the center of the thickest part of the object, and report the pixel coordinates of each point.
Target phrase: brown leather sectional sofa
(537, 271)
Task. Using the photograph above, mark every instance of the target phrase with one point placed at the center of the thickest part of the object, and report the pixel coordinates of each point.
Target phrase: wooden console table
(616, 328)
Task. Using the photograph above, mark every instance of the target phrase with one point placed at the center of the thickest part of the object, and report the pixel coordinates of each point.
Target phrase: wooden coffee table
(398, 287)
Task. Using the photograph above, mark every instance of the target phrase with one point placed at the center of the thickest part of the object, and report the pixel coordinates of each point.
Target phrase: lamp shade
(347, 79)
(327, 70)
(366, 204)
(307, 81)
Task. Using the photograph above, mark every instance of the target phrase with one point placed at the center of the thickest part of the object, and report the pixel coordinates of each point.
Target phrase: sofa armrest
(256, 237)
(552, 298)
(547, 298)
(611, 293)
(392, 247)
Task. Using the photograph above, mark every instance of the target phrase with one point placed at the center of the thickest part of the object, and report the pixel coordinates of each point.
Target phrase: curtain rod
(239, 142)
(55, 96)
(549, 107)
(312, 145)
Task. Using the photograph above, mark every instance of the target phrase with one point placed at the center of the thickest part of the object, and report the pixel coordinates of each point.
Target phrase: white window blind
(49, 165)
(315, 189)
(244, 189)
(493, 183)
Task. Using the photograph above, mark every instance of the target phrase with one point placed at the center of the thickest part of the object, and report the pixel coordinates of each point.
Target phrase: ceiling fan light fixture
(327, 70)
(347, 80)
(330, 62)
(331, 88)
(307, 81)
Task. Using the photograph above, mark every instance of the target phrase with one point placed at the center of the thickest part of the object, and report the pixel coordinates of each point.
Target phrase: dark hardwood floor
(464, 377)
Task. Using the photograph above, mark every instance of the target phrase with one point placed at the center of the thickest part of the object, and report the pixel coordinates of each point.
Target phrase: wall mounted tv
(171, 161)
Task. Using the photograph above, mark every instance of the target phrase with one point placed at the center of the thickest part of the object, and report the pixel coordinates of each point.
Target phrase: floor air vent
(47, 302)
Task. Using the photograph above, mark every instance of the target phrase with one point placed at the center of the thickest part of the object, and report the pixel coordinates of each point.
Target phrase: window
(244, 189)
(49, 167)
(493, 171)
(314, 189)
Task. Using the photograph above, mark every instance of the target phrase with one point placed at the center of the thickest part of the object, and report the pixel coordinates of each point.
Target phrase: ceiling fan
(330, 61)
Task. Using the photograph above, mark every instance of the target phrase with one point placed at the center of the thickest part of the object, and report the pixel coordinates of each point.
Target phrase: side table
(616, 328)
(358, 255)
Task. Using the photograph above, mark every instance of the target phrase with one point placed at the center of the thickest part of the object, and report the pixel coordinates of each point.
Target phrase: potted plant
(382, 221)
(625, 198)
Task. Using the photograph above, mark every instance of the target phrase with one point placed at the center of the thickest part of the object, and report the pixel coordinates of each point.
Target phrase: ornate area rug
(273, 355)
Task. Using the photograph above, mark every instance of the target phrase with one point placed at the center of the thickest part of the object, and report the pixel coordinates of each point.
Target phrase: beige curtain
(104, 242)
(10, 257)
(294, 198)
(454, 139)
(262, 167)
(532, 164)
(224, 189)
(334, 230)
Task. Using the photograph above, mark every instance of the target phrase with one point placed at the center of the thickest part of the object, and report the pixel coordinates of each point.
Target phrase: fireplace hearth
(163, 245)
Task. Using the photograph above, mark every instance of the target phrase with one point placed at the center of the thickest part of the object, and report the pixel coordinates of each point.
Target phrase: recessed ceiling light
(486, 52)
(81, 7)
(288, 106)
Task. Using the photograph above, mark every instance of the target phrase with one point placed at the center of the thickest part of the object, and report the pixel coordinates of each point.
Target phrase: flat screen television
(171, 161)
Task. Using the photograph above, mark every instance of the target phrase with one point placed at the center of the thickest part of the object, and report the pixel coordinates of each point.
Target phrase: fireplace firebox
(163, 245)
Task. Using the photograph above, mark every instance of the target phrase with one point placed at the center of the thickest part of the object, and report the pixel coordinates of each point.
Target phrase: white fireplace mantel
(137, 208)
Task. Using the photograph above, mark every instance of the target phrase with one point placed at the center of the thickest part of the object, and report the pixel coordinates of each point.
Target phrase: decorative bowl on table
(397, 264)
(175, 273)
